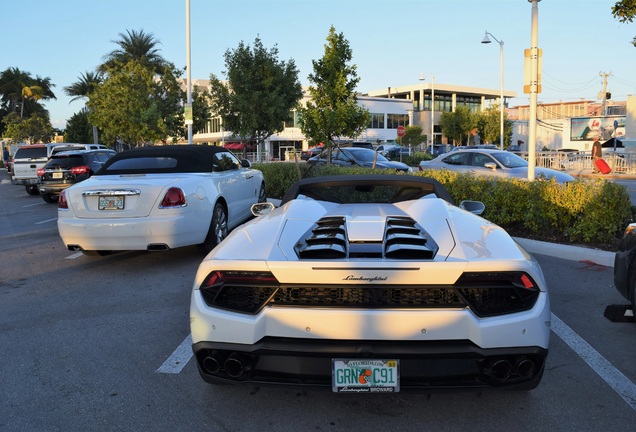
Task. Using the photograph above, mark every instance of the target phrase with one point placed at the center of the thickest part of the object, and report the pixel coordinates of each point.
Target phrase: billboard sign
(584, 128)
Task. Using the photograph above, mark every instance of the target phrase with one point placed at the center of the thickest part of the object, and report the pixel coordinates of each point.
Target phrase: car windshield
(365, 155)
(64, 161)
(31, 153)
(510, 160)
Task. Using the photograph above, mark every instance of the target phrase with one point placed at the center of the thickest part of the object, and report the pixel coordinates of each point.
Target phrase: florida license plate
(112, 202)
(365, 376)
(57, 175)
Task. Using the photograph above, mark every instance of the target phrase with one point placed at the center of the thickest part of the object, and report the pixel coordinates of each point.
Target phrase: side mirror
(261, 209)
(476, 207)
(491, 165)
(246, 163)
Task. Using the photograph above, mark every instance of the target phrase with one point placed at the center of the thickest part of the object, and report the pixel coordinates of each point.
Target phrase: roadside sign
(400, 131)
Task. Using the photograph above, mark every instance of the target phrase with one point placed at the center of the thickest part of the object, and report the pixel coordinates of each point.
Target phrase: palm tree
(82, 88)
(34, 92)
(12, 80)
(137, 46)
(18, 87)
(84, 85)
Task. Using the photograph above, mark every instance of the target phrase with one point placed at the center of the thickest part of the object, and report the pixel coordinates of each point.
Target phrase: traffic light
(608, 95)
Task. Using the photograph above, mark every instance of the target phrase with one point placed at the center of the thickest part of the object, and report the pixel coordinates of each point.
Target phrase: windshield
(365, 155)
(510, 160)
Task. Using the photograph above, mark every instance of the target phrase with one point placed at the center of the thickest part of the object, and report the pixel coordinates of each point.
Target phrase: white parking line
(46, 221)
(75, 255)
(179, 358)
(36, 204)
(612, 376)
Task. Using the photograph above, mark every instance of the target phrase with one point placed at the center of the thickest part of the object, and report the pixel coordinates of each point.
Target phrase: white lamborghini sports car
(159, 198)
(370, 284)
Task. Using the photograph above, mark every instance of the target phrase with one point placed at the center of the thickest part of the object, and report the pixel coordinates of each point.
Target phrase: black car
(625, 266)
(309, 153)
(67, 168)
(358, 156)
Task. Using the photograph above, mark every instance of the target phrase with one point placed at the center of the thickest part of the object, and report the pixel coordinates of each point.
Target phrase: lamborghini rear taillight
(238, 291)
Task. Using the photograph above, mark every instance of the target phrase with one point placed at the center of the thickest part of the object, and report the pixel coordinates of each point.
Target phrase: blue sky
(393, 41)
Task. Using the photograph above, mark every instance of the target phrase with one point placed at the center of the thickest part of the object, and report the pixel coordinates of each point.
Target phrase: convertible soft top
(371, 188)
(162, 159)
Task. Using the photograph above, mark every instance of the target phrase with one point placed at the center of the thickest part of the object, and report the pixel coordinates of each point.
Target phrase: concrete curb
(572, 253)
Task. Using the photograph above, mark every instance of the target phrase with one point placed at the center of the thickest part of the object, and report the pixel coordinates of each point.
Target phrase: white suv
(26, 161)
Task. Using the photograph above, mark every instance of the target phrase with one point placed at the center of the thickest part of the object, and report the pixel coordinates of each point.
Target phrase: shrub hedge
(586, 211)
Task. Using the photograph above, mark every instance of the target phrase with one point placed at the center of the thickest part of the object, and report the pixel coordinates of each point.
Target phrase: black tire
(50, 198)
(632, 287)
(262, 194)
(218, 229)
(32, 190)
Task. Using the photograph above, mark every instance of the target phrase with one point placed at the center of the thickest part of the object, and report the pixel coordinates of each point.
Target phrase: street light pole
(486, 40)
(432, 109)
(189, 75)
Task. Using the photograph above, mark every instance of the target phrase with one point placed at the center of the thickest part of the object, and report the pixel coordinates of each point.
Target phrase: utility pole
(604, 94)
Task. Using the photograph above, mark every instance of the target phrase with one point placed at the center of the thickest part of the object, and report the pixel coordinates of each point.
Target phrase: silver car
(487, 162)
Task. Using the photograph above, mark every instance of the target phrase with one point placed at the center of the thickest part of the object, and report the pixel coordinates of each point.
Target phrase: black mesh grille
(403, 239)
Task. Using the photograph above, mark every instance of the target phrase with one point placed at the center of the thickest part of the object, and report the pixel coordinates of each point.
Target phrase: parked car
(350, 156)
(489, 162)
(474, 147)
(385, 149)
(159, 198)
(69, 147)
(625, 266)
(370, 283)
(314, 151)
(26, 162)
(438, 149)
(66, 168)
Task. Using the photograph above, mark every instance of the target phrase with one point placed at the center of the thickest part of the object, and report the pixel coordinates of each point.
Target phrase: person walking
(597, 153)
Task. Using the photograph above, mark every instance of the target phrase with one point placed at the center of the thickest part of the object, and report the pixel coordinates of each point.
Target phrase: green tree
(125, 106)
(135, 46)
(259, 93)
(81, 89)
(78, 128)
(458, 124)
(412, 136)
(625, 11)
(19, 91)
(201, 109)
(36, 128)
(333, 110)
(489, 125)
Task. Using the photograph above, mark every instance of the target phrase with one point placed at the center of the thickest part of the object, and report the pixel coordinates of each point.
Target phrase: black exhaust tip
(236, 365)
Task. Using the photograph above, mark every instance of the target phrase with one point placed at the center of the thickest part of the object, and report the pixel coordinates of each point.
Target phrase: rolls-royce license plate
(111, 202)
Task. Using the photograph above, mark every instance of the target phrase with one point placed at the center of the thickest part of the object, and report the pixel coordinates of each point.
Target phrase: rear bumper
(423, 364)
(25, 181)
(53, 188)
(156, 233)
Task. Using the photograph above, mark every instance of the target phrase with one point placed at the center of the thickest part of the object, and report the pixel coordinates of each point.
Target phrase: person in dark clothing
(597, 153)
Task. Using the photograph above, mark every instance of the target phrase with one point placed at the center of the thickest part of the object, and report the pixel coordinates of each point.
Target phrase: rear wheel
(218, 229)
(50, 198)
(32, 190)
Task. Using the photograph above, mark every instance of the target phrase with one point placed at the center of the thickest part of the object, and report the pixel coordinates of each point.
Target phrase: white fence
(582, 161)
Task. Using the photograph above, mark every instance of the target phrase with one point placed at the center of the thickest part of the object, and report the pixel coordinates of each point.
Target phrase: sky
(393, 41)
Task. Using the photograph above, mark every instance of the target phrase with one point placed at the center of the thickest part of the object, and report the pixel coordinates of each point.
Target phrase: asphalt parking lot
(93, 344)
